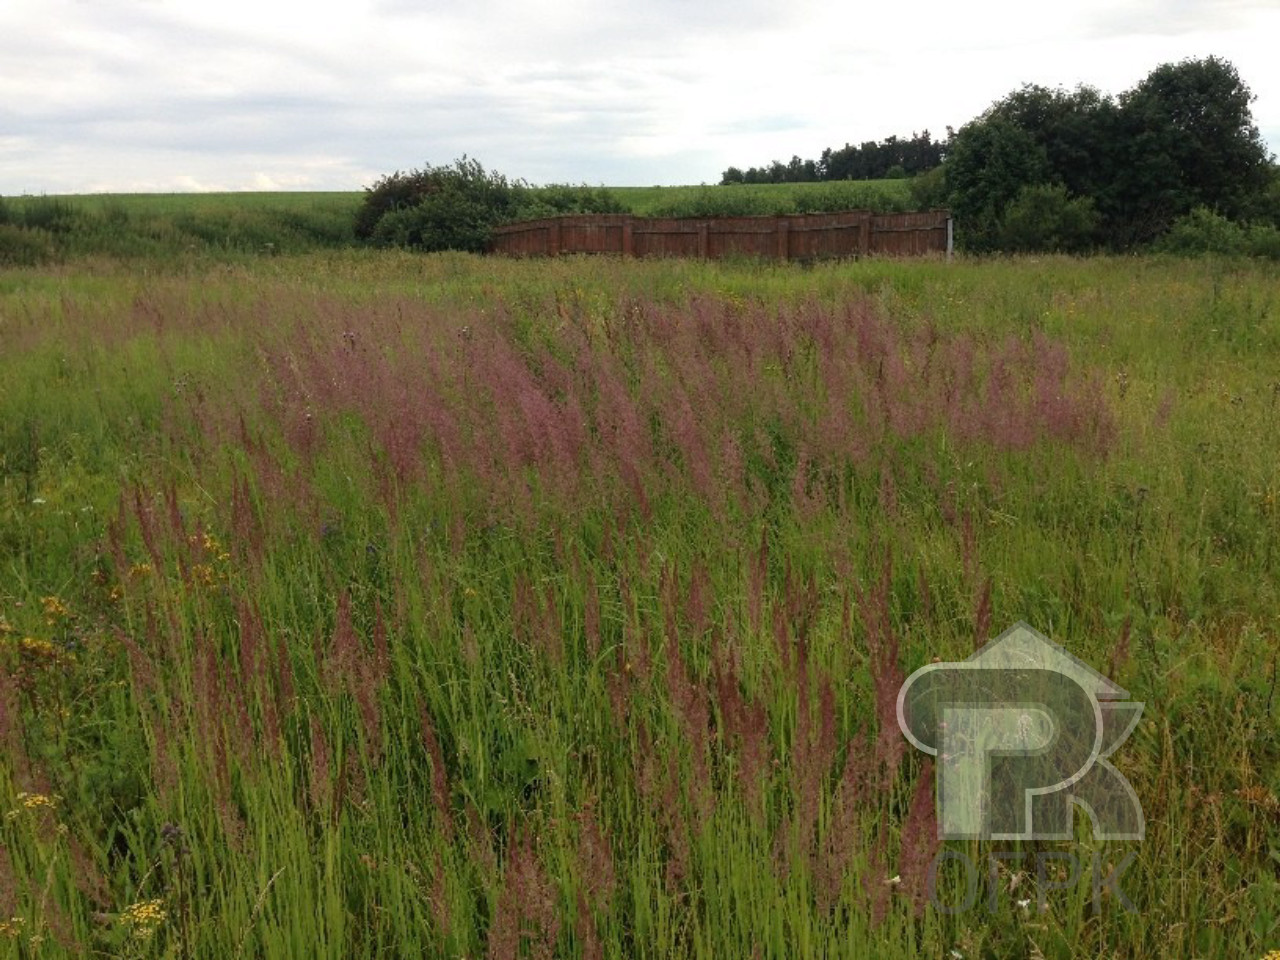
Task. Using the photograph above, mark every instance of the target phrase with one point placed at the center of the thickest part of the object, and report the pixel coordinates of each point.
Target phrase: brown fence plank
(851, 233)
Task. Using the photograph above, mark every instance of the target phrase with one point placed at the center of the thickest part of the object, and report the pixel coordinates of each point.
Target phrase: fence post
(704, 245)
(783, 227)
(627, 243)
(864, 236)
(950, 237)
(553, 239)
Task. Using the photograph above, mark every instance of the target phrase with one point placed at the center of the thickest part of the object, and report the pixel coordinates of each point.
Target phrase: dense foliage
(1183, 138)
(456, 207)
(1056, 170)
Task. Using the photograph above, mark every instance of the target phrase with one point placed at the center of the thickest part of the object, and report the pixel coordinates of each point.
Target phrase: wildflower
(4, 626)
(33, 802)
(214, 548)
(144, 918)
(204, 574)
(12, 927)
(36, 801)
(139, 570)
(37, 647)
(54, 610)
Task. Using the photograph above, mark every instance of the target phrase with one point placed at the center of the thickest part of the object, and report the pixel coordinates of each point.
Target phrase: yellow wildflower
(37, 647)
(33, 802)
(54, 610)
(143, 918)
(38, 801)
(4, 626)
(203, 573)
(139, 570)
(12, 927)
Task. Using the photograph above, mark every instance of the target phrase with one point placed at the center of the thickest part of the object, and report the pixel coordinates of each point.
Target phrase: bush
(1203, 231)
(457, 207)
(47, 213)
(439, 208)
(20, 247)
(1044, 218)
(1263, 240)
(928, 191)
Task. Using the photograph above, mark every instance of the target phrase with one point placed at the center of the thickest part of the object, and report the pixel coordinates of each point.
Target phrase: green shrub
(1202, 231)
(439, 208)
(928, 190)
(1045, 218)
(1263, 240)
(20, 247)
(47, 213)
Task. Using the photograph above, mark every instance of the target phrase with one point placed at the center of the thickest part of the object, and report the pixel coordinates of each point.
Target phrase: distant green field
(40, 229)
(768, 197)
(644, 201)
(344, 202)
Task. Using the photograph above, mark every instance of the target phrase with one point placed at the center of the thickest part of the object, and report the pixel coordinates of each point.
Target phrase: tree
(1045, 217)
(1182, 138)
(1189, 140)
(991, 160)
(1075, 129)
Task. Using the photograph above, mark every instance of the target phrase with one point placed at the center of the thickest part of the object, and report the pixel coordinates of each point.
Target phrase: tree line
(886, 159)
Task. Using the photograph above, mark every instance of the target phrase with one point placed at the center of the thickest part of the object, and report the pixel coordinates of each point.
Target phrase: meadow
(356, 603)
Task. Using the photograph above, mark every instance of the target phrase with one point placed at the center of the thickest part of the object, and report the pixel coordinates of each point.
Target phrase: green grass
(765, 198)
(320, 629)
(44, 229)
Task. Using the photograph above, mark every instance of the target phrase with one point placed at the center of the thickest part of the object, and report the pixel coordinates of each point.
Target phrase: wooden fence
(854, 233)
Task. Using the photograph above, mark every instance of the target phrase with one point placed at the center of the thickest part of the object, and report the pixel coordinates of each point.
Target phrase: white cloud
(184, 94)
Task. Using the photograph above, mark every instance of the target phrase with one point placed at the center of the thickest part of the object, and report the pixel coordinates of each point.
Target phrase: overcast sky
(158, 95)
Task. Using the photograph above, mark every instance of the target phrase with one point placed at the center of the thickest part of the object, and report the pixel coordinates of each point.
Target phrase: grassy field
(362, 604)
(639, 200)
(765, 198)
(38, 230)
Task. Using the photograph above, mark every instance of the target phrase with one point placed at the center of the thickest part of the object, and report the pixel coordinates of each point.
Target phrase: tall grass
(364, 604)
